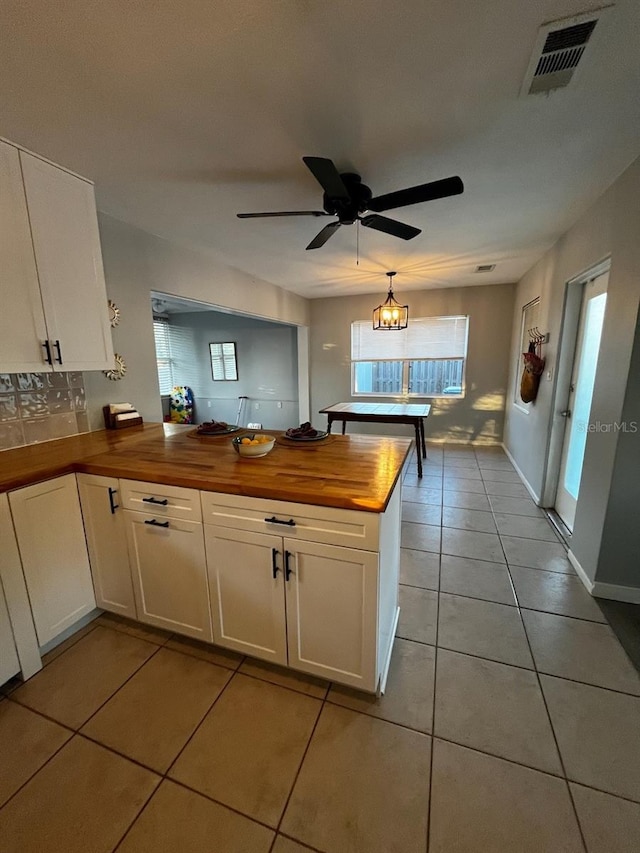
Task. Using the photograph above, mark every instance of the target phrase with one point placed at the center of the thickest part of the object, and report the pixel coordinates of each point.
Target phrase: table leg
(330, 423)
(424, 445)
(344, 427)
(418, 447)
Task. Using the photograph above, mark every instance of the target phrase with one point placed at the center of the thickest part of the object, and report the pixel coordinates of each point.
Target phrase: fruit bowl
(253, 445)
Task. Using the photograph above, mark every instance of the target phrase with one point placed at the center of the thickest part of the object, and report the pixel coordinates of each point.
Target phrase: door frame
(567, 341)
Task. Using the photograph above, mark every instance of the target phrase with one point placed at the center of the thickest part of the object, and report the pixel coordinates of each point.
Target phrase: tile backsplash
(40, 406)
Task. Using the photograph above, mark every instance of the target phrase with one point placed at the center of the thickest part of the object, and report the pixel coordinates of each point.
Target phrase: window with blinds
(426, 359)
(224, 365)
(162, 335)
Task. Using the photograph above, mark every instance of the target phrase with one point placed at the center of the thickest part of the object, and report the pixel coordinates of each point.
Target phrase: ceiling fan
(346, 197)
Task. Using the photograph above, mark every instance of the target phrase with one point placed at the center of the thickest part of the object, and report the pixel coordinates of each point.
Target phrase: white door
(332, 601)
(53, 550)
(169, 573)
(22, 328)
(66, 242)
(578, 408)
(9, 663)
(247, 592)
(107, 542)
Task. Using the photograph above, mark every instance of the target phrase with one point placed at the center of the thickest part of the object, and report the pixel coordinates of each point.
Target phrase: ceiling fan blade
(415, 195)
(390, 226)
(283, 213)
(321, 238)
(326, 174)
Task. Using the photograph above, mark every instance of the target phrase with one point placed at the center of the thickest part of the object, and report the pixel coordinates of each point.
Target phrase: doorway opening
(585, 306)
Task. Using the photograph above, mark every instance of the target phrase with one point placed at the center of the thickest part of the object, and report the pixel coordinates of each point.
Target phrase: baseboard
(597, 589)
(630, 594)
(525, 482)
(584, 577)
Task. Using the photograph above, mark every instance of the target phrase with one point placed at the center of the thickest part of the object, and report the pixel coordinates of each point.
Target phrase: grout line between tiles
(546, 707)
(433, 709)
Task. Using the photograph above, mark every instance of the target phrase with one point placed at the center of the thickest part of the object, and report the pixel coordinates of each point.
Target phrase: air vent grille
(569, 37)
(485, 267)
(559, 49)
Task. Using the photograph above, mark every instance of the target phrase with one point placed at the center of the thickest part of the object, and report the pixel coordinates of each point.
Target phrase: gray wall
(610, 227)
(267, 369)
(137, 263)
(479, 415)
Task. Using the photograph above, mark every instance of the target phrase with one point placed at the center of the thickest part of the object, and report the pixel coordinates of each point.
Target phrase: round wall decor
(114, 313)
(118, 370)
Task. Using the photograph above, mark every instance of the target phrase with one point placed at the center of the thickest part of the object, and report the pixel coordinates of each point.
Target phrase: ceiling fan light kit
(345, 196)
(390, 316)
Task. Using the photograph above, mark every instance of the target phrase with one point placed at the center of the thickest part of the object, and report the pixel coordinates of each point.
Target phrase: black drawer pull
(156, 501)
(47, 349)
(274, 520)
(57, 346)
(274, 563)
(287, 570)
(112, 505)
(156, 523)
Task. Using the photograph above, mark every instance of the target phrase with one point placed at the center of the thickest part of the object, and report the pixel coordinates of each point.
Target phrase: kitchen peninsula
(292, 558)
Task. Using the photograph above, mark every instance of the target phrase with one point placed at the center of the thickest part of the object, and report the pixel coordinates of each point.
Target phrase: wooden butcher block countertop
(347, 471)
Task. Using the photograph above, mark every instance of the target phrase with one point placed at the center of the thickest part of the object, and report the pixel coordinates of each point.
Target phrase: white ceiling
(187, 112)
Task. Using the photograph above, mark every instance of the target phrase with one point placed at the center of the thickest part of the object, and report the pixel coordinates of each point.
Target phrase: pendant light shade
(391, 315)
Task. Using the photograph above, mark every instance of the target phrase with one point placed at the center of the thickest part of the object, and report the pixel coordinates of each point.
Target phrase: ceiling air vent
(485, 268)
(560, 47)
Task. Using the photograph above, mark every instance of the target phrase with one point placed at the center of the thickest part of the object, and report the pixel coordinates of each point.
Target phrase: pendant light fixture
(391, 315)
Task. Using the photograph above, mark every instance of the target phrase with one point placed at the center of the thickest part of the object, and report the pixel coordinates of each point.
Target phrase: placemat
(287, 442)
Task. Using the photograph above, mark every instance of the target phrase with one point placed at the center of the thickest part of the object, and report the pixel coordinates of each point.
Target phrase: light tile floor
(511, 722)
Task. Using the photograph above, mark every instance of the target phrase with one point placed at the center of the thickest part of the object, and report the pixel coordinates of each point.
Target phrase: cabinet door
(332, 612)
(22, 326)
(66, 242)
(9, 664)
(169, 573)
(107, 542)
(247, 601)
(50, 533)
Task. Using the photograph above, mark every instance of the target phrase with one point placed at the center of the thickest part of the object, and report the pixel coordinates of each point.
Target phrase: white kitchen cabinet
(332, 612)
(280, 593)
(22, 326)
(53, 551)
(107, 542)
(57, 316)
(9, 663)
(169, 573)
(246, 582)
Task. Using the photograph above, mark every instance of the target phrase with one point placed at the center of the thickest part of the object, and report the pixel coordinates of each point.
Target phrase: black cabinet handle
(156, 523)
(47, 349)
(274, 520)
(113, 506)
(287, 570)
(57, 346)
(274, 563)
(156, 501)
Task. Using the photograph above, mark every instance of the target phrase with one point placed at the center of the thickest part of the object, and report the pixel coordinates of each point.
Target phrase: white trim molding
(597, 589)
(525, 482)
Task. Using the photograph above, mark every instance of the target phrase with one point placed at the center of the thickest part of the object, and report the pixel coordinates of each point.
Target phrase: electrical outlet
(208, 404)
(279, 404)
(256, 406)
(254, 426)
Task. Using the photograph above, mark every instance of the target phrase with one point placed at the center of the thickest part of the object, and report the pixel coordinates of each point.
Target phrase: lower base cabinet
(303, 604)
(169, 573)
(107, 542)
(50, 534)
(9, 663)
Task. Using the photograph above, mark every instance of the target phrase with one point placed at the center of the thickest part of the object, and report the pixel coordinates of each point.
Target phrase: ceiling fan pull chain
(358, 243)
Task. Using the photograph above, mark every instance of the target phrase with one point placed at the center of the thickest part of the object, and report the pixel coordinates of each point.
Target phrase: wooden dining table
(383, 413)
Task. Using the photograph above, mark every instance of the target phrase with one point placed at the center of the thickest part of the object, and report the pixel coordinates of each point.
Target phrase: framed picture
(224, 363)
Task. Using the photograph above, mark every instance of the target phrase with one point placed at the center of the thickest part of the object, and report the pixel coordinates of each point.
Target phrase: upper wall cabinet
(54, 314)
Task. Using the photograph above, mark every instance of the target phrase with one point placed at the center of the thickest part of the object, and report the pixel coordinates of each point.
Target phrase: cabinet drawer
(306, 522)
(161, 501)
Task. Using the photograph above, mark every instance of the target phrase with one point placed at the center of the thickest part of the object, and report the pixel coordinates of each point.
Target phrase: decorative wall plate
(114, 313)
(118, 370)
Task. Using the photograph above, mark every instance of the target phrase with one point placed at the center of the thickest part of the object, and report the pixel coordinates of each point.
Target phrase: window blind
(163, 355)
(424, 338)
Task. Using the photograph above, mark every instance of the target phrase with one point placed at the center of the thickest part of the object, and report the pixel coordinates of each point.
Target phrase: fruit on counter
(213, 426)
(305, 430)
(257, 439)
